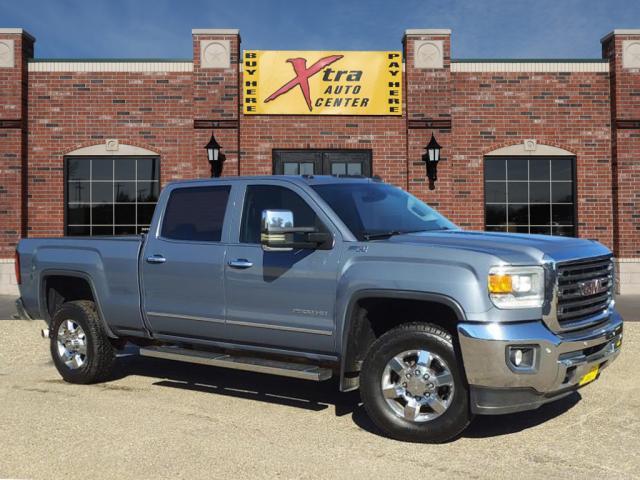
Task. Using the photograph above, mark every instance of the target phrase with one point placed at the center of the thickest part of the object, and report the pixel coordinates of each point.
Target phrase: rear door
(182, 264)
(281, 298)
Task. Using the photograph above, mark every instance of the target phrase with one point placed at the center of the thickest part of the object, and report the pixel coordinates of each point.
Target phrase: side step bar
(250, 364)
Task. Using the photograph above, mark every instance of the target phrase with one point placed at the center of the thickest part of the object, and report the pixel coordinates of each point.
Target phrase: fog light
(522, 358)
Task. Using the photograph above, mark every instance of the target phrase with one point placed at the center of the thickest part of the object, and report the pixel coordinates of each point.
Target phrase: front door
(281, 298)
(183, 264)
(322, 162)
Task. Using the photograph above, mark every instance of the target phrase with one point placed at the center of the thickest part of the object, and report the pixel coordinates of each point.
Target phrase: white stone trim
(627, 276)
(7, 55)
(621, 31)
(111, 66)
(8, 282)
(215, 54)
(427, 31)
(533, 67)
(520, 149)
(102, 149)
(428, 54)
(17, 31)
(215, 31)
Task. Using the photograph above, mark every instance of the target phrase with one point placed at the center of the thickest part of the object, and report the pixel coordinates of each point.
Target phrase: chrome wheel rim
(417, 385)
(72, 344)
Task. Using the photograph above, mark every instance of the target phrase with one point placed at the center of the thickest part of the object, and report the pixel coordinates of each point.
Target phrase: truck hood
(512, 248)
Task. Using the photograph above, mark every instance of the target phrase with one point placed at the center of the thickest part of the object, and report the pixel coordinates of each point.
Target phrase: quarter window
(110, 196)
(196, 214)
(530, 195)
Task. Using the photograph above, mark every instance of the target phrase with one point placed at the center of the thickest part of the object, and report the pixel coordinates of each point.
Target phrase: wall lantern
(431, 158)
(215, 156)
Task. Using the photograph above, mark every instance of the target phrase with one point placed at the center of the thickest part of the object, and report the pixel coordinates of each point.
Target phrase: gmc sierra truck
(316, 277)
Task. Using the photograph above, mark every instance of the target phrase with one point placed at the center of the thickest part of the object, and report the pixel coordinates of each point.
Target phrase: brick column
(216, 94)
(622, 48)
(428, 109)
(16, 47)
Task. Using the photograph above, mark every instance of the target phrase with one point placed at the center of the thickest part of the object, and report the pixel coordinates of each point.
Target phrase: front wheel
(412, 387)
(80, 349)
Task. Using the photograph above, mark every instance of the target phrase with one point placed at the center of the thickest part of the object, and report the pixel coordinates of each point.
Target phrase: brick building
(539, 146)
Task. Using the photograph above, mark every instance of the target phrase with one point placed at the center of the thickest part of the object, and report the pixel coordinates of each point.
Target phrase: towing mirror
(279, 233)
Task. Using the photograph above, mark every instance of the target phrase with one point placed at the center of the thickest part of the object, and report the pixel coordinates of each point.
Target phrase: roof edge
(17, 31)
(215, 31)
(620, 31)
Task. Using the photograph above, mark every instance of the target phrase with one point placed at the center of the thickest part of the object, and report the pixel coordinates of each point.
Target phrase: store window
(110, 196)
(530, 195)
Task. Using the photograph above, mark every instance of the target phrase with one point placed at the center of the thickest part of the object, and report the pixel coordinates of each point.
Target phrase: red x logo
(302, 76)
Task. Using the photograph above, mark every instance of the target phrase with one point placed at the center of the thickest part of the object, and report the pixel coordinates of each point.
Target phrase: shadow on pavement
(307, 395)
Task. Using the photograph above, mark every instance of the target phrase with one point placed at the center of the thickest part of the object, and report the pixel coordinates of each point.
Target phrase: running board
(249, 364)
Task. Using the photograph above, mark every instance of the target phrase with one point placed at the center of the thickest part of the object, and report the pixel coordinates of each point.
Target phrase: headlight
(516, 287)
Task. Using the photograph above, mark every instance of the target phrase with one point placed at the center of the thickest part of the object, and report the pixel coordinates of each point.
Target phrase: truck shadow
(307, 395)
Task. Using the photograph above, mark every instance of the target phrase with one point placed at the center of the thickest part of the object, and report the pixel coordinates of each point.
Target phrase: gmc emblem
(592, 287)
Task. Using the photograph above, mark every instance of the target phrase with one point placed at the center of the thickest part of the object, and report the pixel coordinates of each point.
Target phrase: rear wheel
(412, 386)
(80, 349)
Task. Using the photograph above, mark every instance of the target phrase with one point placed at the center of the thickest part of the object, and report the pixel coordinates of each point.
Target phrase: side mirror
(279, 233)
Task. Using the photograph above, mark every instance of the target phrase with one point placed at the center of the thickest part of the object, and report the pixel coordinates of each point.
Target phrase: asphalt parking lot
(160, 419)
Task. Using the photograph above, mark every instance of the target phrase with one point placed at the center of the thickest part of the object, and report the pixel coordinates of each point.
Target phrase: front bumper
(561, 361)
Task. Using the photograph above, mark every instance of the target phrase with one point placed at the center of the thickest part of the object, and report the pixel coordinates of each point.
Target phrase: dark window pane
(78, 215)
(540, 214)
(517, 169)
(306, 168)
(338, 168)
(354, 169)
(496, 215)
(518, 214)
(541, 230)
(270, 197)
(291, 168)
(539, 192)
(148, 169)
(102, 192)
(539, 169)
(518, 192)
(78, 191)
(125, 191)
(494, 169)
(564, 231)
(102, 230)
(78, 169)
(148, 191)
(518, 229)
(145, 213)
(79, 231)
(102, 214)
(495, 192)
(561, 169)
(102, 169)
(494, 228)
(562, 192)
(562, 214)
(195, 214)
(125, 169)
(125, 214)
(126, 230)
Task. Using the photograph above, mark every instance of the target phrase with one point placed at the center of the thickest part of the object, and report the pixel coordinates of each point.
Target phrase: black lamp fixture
(431, 158)
(215, 156)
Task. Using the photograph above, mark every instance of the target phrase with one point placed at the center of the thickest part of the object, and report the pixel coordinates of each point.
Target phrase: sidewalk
(627, 305)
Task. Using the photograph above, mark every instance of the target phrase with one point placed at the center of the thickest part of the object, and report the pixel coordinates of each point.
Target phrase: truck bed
(110, 264)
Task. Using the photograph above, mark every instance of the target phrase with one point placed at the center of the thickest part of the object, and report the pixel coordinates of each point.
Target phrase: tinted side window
(196, 213)
(272, 197)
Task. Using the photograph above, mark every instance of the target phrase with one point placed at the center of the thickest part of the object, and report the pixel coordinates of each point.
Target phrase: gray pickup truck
(320, 277)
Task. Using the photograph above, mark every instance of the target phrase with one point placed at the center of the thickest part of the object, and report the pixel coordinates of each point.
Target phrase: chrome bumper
(562, 360)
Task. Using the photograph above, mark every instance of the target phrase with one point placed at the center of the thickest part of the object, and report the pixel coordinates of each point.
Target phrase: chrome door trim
(280, 327)
(186, 317)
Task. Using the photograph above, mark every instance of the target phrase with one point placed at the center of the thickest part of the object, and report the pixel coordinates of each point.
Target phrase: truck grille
(585, 289)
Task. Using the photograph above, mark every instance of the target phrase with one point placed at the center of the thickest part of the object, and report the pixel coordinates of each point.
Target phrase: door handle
(156, 259)
(240, 263)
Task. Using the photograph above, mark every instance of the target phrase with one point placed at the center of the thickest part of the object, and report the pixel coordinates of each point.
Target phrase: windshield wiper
(390, 233)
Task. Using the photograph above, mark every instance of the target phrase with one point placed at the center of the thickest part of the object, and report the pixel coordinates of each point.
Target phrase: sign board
(322, 83)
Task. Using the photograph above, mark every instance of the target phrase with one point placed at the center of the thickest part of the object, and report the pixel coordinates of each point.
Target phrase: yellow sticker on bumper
(590, 376)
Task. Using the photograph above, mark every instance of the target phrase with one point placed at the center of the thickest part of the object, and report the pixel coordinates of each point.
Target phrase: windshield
(377, 209)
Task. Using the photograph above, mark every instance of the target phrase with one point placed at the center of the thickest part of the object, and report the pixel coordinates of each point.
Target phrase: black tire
(100, 353)
(408, 337)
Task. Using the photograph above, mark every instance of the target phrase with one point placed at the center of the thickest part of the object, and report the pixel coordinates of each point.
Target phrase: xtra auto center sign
(322, 83)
